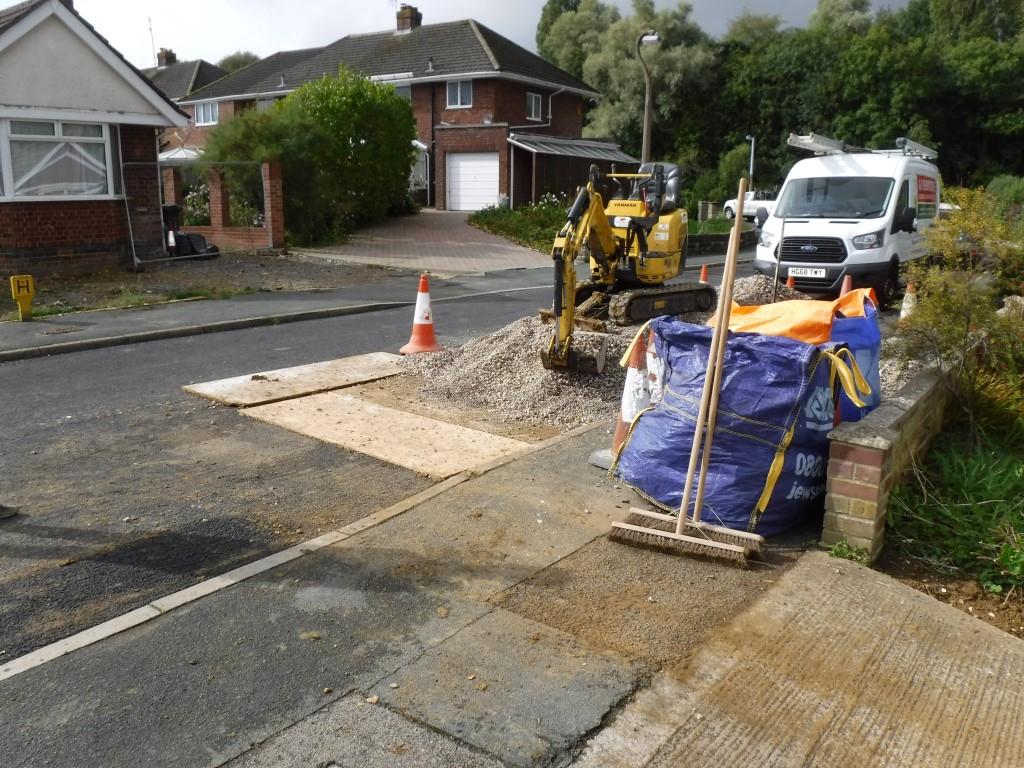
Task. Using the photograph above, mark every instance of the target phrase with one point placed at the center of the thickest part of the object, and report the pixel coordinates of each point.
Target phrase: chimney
(408, 18)
(166, 57)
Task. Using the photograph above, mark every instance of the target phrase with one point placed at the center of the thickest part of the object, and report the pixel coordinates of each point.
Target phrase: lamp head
(650, 38)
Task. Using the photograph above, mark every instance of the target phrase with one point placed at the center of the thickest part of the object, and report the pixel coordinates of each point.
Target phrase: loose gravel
(502, 372)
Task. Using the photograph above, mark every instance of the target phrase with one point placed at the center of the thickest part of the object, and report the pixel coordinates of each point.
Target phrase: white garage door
(472, 180)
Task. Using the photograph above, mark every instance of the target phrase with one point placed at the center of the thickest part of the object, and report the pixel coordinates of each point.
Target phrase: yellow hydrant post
(23, 289)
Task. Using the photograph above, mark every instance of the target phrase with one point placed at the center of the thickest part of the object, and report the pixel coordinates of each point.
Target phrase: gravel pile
(502, 372)
(894, 371)
(749, 291)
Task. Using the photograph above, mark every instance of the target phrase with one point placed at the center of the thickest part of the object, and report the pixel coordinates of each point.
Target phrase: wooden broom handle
(725, 313)
(713, 350)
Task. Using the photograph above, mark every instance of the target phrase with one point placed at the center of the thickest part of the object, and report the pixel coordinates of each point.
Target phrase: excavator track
(640, 305)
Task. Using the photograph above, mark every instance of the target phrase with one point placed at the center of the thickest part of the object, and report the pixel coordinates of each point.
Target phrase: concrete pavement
(439, 241)
(394, 647)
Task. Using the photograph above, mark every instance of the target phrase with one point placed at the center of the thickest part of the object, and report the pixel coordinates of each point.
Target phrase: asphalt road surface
(130, 489)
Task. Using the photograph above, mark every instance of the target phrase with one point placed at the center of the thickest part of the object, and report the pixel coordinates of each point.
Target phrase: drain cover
(61, 329)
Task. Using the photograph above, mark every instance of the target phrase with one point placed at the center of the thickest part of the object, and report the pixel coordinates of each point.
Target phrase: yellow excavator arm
(586, 232)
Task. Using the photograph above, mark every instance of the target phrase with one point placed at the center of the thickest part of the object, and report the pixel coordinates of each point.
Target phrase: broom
(665, 532)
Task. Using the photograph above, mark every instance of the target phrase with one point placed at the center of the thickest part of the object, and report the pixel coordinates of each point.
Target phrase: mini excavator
(634, 244)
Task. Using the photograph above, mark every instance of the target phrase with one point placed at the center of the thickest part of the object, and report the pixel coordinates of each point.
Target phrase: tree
(576, 34)
(965, 19)
(235, 61)
(841, 16)
(549, 14)
(682, 74)
(345, 145)
(752, 29)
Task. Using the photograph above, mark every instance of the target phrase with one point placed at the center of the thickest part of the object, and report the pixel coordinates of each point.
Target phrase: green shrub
(964, 511)
(345, 147)
(533, 225)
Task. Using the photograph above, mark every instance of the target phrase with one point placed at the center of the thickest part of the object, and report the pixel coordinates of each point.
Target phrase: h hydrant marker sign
(23, 289)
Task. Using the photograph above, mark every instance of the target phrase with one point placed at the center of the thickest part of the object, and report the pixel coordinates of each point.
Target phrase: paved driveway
(439, 241)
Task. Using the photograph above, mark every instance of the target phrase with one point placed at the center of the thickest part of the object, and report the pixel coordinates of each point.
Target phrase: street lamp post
(750, 175)
(650, 37)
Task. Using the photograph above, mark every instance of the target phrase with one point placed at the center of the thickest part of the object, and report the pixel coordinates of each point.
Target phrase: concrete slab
(285, 383)
(837, 665)
(513, 687)
(351, 732)
(428, 446)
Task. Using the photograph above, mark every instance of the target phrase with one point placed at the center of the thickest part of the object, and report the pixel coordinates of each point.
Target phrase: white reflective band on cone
(423, 316)
(655, 375)
(635, 394)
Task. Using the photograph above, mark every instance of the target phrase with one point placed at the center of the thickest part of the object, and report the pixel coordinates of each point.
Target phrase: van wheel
(729, 213)
(889, 290)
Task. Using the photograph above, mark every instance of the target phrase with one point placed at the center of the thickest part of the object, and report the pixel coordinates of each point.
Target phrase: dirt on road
(223, 277)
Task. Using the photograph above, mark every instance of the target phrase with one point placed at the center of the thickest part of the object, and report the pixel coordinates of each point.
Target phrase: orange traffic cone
(636, 395)
(422, 339)
(847, 285)
(791, 282)
(909, 301)
(703, 274)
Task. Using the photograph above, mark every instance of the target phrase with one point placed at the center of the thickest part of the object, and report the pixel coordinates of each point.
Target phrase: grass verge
(963, 513)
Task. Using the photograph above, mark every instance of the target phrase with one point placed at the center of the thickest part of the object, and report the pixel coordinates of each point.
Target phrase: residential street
(131, 488)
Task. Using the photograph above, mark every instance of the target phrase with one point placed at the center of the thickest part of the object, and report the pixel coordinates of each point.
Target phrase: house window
(54, 159)
(534, 107)
(405, 91)
(207, 113)
(460, 93)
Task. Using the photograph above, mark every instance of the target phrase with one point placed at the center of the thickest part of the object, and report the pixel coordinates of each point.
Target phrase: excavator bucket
(586, 355)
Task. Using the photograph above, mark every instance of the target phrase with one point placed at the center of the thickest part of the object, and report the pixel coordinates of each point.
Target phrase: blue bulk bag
(770, 449)
(863, 338)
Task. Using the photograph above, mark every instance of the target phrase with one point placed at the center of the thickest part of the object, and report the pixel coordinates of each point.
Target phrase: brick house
(78, 133)
(177, 80)
(493, 120)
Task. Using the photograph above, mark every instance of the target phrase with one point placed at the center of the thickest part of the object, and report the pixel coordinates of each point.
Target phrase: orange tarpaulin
(804, 320)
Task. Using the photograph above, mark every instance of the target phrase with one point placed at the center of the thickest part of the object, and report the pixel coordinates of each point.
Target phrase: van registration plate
(806, 272)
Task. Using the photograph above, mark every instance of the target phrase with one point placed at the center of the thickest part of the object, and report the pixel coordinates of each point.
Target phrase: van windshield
(835, 197)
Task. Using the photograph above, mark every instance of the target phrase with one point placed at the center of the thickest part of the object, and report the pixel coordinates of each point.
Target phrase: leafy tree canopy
(235, 61)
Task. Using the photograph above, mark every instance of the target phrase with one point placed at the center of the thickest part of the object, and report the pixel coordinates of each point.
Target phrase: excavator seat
(671, 188)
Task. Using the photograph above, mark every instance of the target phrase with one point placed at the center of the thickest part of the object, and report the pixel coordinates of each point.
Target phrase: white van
(847, 212)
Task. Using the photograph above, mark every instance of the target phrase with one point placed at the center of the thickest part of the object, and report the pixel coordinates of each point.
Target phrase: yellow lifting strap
(853, 382)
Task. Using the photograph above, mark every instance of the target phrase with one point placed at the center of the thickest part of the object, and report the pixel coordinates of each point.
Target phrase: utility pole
(750, 176)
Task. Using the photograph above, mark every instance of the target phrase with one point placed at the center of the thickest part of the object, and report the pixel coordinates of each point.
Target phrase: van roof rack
(823, 145)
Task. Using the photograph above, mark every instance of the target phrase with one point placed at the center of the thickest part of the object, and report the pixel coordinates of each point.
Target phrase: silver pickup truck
(752, 201)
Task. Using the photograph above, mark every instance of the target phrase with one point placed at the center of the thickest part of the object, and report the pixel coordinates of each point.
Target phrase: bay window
(53, 158)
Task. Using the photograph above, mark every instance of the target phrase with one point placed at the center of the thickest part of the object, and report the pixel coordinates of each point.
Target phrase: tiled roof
(180, 79)
(430, 51)
(263, 76)
(9, 16)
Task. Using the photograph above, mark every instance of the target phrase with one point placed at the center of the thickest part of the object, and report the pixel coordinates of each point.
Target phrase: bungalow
(79, 186)
(494, 121)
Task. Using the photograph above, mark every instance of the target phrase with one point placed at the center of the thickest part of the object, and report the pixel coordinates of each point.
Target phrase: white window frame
(7, 194)
(534, 99)
(214, 109)
(458, 84)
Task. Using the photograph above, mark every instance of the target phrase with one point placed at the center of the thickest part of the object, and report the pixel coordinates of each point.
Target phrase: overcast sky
(210, 29)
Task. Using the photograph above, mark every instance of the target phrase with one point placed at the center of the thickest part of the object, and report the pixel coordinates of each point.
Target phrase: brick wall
(510, 107)
(77, 237)
(867, 459)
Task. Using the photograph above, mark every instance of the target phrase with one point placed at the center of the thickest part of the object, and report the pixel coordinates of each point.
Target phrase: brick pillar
(273, 204)
(174, 194)
(220, 208)
(858, 485)
(867, 459)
